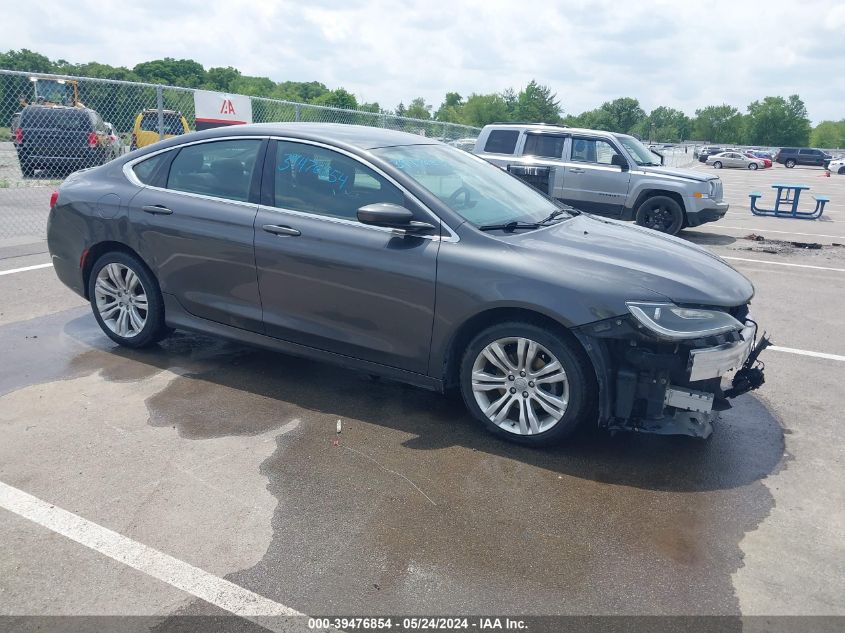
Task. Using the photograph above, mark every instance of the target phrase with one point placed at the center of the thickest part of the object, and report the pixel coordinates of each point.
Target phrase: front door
(196, 229)
(590, 182)
(326, 280)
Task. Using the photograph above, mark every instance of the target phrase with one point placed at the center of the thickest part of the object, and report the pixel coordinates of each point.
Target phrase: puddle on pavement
(420, 511)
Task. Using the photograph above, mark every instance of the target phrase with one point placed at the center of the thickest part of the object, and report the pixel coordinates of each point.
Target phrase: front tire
(752, 166)
(126, 300)
(790, 163)
(717, 165)
(527, 384)
(841, 171)
(661, 213)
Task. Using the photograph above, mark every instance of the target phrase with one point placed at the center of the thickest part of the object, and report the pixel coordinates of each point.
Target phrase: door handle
(156, 209)
(277, 229)
(576, 170)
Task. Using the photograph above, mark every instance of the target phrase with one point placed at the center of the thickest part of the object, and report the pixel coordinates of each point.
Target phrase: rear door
(590, 181)
(195, 221)
(810, 157)
(331, 283)
(56, 133)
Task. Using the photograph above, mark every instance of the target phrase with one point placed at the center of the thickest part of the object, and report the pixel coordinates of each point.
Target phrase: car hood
(632, 262)
(688, 174)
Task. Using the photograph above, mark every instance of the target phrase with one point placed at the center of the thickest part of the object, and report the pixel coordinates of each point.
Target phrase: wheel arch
(480, 321)
(645, 194)
(93, 253)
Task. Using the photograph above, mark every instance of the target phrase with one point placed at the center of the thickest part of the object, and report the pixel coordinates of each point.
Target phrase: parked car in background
(734, 159)
(60, 138)
(767, 162)
(605, 173)
(792, 156)
(466, 144)
(145, 131)
(837, 166)
(707, 151)
(759, 153)
(14, 126)
(115, 143)
(545, 319)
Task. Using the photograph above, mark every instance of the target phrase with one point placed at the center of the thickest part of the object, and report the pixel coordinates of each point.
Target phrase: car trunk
(56, 133)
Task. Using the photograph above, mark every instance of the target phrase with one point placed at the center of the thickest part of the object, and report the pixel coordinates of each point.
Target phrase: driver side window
(313, 179)
(591, 150)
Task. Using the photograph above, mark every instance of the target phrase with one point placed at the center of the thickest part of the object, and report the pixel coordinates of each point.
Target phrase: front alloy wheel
(527, 383)
(520, 386)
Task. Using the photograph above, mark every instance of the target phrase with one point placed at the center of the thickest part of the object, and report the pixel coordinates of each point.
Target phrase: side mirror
(391, 216)
(619, 161)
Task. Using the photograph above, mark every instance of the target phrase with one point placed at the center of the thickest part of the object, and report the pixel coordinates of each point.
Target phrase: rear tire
(717, 164)
(27, 169)
(126, 300)
(661, 213)
(790, 163)
(535, 386)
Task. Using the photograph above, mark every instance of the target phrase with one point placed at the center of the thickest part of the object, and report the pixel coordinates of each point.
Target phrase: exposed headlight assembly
(668, 321)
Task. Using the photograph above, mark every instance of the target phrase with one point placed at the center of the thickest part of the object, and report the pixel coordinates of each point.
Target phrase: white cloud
(683, 54)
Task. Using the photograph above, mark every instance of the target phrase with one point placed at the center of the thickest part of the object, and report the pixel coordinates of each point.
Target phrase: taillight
(92, 139)
(134, 144)
(53, 197)
(19, 136)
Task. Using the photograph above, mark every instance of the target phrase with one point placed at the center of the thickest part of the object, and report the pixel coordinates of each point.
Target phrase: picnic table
(788, 195)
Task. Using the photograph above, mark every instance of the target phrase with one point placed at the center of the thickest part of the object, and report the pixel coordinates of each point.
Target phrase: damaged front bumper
(679, 388)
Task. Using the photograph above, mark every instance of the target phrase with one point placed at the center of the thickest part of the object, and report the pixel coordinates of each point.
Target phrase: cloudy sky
(685, 54)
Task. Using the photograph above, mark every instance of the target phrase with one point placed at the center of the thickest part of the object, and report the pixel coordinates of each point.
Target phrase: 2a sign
(214, 109)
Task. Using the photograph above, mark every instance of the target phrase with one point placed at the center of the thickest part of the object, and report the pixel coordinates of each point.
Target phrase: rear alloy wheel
(717, 164)
(126, 300)
(525, 384)
(752, 166)
(661, 213)
(790, 163)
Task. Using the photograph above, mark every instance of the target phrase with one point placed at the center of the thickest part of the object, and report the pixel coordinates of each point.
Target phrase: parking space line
(803, 352)
(767, 261)
(24, 269)
(176, 573)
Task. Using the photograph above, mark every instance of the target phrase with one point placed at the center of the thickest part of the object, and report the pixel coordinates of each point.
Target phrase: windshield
(479, 192)
(639, 152)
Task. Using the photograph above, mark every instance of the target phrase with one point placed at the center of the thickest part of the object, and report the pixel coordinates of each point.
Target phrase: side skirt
(177, 317)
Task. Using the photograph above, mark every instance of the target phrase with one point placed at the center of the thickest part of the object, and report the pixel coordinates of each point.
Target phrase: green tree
(26, 60)
(172, 72)
(777, 121)
(418, 109)
(829, 135)
(451, 108)
(665, 124)
(537, 103)
(222, 79)
(718, 124)
(338, 98)
(620, 115)
(479, 110)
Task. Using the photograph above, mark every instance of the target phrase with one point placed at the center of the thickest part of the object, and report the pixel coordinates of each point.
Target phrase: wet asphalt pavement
(225, 457)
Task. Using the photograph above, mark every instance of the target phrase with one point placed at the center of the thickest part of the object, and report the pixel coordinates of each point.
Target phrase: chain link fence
(52, 125)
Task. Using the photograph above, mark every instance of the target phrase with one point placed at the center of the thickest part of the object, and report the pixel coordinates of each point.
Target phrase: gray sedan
(735, 159)
(394, 254)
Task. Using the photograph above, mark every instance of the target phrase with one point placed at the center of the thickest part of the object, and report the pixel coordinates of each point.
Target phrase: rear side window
(501, 141)
(146, 169)
(222, 169)
(172, 123)
(547, 145)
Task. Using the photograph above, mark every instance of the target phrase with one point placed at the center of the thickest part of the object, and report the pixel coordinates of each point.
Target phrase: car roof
(358, 136)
